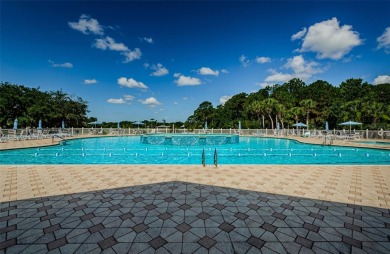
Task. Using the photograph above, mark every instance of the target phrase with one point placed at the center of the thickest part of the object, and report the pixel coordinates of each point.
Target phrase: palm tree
(269, 106)
(258, 109)
(308, 105)
(296, 112)
(281, 110)
(377, 111)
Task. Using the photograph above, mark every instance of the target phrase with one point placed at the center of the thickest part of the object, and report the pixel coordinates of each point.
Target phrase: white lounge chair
(3, 137)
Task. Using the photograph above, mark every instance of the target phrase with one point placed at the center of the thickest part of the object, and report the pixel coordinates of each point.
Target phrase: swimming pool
(250, 150)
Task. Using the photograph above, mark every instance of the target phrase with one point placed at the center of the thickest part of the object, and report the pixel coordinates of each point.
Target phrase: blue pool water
(250, 150)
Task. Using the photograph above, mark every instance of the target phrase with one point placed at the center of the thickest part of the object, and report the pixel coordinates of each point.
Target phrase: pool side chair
(22, 136)
(306, 134)
(3, 137)
(320, 134)
(357, 135)
(341, 135)
(257, 133)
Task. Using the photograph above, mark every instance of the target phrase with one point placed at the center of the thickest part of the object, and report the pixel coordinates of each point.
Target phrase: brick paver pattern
(182, 217)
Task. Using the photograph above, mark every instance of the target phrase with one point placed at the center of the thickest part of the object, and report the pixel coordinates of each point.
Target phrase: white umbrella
(163, 126)
(300, 125)
(350, 123)
(138, 123)
(16, 124)
(94, 123)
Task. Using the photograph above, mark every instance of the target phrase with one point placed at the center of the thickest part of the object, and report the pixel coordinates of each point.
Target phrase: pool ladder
(215, 158)
(324, 140)
(57, 136)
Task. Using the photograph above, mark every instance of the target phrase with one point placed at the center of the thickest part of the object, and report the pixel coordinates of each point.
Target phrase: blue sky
(141, 60)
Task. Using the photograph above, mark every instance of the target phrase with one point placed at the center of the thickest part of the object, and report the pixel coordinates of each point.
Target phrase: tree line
(29, 105)
(294, 101)
(285, 104)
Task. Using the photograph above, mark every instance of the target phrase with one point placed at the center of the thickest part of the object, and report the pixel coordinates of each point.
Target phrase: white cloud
(264, 84)
(224, 71)
(159, 70)
(384, 40)
(263, 59)
(175, 103)
(87, 25)
(186, 81)
(148, 40)
(176, 75)
(109, 43)
(131, 83)
(243, 60)
(224, 99)
(299, 35)
(279, 77)
(132, 55)
(63, 65)
(128, 97)
(208, 71)
(302, 69)
(329, 40)
(90, 81)
(116, 101)
(382, 79)
(151, 102)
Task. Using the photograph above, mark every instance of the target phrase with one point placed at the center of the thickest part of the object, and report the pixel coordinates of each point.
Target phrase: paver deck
(191, 209)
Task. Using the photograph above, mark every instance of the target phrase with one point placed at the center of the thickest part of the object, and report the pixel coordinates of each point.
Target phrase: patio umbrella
(94, 123)
(350, 123)
(63, 124)
(163, 126)
(118, 126)
(239, 125)
(15, 124)
(138, 123)
(205, 125)
(40, 124)
(278, 126)
(326, 126)
(300, 125)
